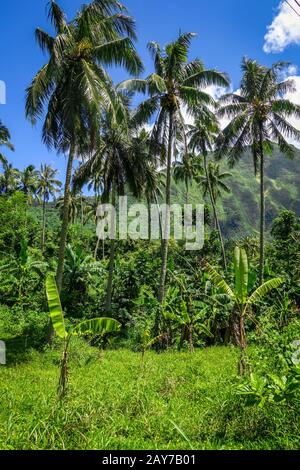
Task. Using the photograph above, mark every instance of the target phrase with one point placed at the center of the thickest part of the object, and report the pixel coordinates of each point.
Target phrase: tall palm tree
(186, 171)
(154, 182)
(150, 178)
(202, 136)
(28, 182)
(47, 186)
(73, 87)
(75, 206)
(175, 84)
(9, 178)
(119, 161)
(4, 140)
(259, 117)
(215, 178)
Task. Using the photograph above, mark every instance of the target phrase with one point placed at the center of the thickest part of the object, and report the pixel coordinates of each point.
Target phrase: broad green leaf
(263, 290)
(241, 274)
(55, 309)
(97, 326)
(184, 312)
(219, 282)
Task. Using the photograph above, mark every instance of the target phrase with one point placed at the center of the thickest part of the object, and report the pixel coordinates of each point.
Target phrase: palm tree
(9, 178)
(186, 171)
(217, 180)
(75, 206)
(175, 84)
(73, 87)
(154, 181)
(47, 186)
(202, 136)
(119, 161)
(4, 140)
(28, 182)
(259, 117)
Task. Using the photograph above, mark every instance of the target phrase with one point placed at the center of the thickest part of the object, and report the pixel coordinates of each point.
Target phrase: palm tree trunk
(262, 214)
(159, 221)
(111, 262)
(165, 242)
(65, 221)
(149, 219)
(82, 214)
(213, 203)
(97, 248)
(187, 192)
(44, 224)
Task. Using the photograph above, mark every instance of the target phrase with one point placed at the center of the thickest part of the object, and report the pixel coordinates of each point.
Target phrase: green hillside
(239, 211)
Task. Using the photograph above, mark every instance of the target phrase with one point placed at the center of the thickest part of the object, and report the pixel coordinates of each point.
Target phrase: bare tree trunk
(149, 219)
(191, 341)
(97, 248)
(234, 328)
(262, 214)
(63, 379)
(82, 213)
(213, 203)
(44, 224)
(187, 192)
(111, 262)
(165, 242)
(243, 345)
(237, 330)
(160, 222)
(65, 221)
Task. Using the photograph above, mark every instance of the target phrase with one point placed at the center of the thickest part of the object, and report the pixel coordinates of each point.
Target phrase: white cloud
(284, 30)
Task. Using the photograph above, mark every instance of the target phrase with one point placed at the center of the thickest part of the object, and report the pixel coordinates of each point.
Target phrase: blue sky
(227, 30)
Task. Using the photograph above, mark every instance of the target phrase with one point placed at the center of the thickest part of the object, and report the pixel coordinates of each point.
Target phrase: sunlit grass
(118, 402)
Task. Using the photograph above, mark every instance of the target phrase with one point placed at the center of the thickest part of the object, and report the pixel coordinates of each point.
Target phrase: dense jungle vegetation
(142, 344)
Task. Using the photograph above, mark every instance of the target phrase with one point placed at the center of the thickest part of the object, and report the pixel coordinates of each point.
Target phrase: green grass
(116, 402)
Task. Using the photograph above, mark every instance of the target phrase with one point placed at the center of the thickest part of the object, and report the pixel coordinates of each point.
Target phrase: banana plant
(95, 326)
(241, 298)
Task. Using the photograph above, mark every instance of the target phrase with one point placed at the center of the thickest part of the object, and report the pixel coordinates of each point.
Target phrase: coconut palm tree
(202, 136)
(75, 206)
(186, 171)
(47, 186)
(118, 159)
(259, 116)
(4, 140)
(175, 84)
(73, 87)
(154, 182)
(28, 182)
(216, 179)
(9, 178)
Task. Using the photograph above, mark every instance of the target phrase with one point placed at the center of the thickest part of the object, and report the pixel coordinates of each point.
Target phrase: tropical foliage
(102, 306)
